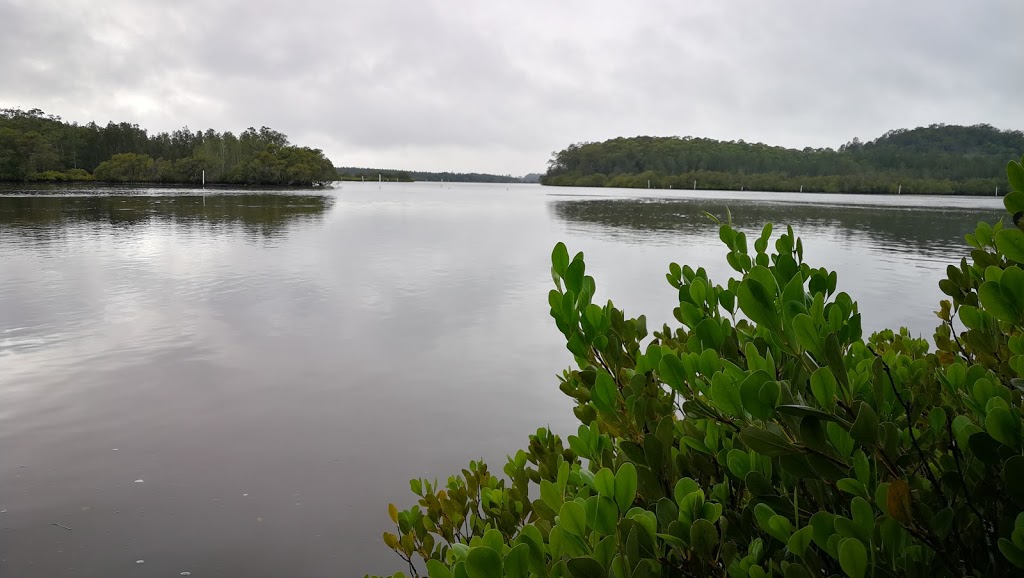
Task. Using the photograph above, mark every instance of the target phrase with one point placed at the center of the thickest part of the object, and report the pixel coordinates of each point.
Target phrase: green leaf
(703, 537)
(852, 486)
(625, 486)
(573, 518)
(672, 371)
(812, 434)
(807, 334)
(766, 443)
(574, 274)
(799, 541)
(435, 569)
(604, 394)
(750, 391)
(602, 514)
(853, 558)
(1015, 174)
(822, 525)
(758, 303)
(483, 562)
(1001, 425)
(604, 481)
(1012, 286)
(726, 394)
(586, 567)
(559, 260)
(834, 358)
(516, 562)
(1011, 243)
(738, 462)
(995, 302)
(780, 528)
(1012, 553)
(823, 386)
(550, 495)
(1014, 202)
(865, 429)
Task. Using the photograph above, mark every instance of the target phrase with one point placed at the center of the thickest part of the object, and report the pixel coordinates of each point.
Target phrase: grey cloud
(496, 87)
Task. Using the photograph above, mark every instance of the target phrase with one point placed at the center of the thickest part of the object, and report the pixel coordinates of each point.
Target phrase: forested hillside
(38, 147)
(936, 159)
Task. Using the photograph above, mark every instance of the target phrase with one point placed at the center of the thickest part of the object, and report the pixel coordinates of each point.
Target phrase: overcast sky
(496, 86)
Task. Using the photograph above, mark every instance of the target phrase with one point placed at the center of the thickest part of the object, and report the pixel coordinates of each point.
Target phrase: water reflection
(262, 214)
(927, 232)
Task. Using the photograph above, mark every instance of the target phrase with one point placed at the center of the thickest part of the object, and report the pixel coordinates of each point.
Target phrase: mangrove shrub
(761, 434)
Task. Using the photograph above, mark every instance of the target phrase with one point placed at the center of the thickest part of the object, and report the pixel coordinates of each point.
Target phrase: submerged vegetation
(938, 159)
(762, 435)
(39, 147)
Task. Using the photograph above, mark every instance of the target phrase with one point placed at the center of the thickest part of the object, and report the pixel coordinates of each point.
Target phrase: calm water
(274, 366)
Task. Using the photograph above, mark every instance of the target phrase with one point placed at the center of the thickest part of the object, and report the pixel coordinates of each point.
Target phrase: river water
(238, 384)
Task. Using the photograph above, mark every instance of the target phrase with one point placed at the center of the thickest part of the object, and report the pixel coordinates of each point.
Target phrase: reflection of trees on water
(264, 214)
(927, 231)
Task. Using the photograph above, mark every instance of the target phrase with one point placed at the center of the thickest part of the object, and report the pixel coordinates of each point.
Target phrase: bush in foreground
(776, 443)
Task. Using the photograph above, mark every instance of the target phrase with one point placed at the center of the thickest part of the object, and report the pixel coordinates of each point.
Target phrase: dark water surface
(275, 365)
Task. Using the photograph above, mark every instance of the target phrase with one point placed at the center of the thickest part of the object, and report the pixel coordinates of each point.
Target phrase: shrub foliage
(762, 435)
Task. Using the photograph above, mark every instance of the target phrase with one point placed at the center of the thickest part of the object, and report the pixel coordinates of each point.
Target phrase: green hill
(940, 159)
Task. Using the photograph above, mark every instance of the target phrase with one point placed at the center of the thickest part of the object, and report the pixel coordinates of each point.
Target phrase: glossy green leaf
(435, 569)
(483, 563)
(672, 371)
(758, 303)
(823, 386)
(853, 558)
(625, 486)
(1014, 202)
(517, 562)
(1015, 174)
(799, 541)
(605, 393)
(573, 518)
(852, 486)
(996, 302)
(604, 482)
(807, 334)
(1003, 426)
(602, 514)
(1011, 243)
(559, 260)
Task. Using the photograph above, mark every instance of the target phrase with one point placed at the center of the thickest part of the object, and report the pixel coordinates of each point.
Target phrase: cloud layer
(497, 86)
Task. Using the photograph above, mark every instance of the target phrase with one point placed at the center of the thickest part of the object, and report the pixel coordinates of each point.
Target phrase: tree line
(35, 146)
(359, 173)
(938, 159)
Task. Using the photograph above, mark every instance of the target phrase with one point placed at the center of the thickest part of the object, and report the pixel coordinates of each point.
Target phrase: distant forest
(35, 146)
(357, 174)
(938, 159)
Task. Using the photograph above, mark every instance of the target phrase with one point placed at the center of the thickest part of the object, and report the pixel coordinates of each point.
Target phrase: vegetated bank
(35, 146)
(938, 159)
(761, 434)
(368, 174)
